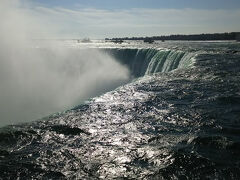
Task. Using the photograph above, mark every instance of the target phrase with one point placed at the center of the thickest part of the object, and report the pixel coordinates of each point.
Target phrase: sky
(112, 18)
(128, 4)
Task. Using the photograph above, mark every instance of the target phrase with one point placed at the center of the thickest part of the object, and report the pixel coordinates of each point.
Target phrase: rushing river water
(178, 119)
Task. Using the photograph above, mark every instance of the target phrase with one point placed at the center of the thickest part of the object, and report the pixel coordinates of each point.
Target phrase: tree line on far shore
(192, 37)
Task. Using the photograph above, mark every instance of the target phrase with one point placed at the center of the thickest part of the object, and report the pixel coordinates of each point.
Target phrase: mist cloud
(38, 79)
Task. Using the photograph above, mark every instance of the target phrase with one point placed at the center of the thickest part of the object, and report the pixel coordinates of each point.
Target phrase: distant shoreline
(193, 37)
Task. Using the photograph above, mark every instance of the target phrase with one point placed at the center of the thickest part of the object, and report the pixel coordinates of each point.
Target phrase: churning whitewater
(178, 118)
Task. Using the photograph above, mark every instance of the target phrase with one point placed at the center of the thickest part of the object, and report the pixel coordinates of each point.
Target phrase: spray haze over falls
(36, 82)
(39, 79)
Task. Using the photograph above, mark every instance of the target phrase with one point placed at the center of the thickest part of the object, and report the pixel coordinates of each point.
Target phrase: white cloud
(100, 23)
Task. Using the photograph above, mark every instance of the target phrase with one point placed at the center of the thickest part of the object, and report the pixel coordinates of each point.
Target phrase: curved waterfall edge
(150, 61)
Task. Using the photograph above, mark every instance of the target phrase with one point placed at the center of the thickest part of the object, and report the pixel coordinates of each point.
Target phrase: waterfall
(149, 61)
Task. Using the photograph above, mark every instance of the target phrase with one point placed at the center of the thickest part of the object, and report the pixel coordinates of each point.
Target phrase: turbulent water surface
(178, 119)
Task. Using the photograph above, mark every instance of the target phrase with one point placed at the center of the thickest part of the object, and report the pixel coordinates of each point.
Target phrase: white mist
(35, 82)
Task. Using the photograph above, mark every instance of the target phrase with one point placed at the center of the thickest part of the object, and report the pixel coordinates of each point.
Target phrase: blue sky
(127, 4)
(112, 18)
